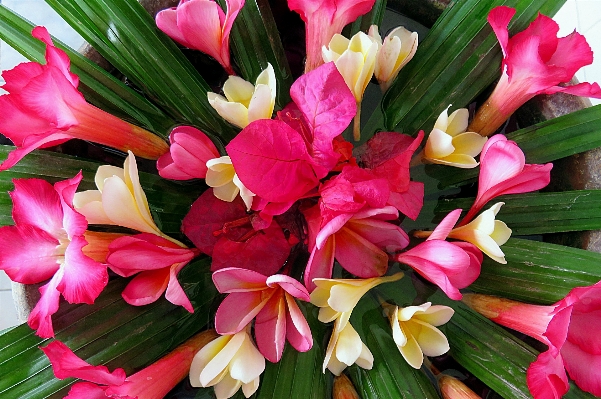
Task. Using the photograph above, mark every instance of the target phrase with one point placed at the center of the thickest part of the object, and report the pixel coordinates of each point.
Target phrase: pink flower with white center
(188, 154)
(503, 170)
(569, 328)
(47, 242)
(152, 382)
(156, 261)
(44, 108)
(449, 265)
(535, 61)
(323, 19)
(268, 299)
(360, 242)
(202, 25)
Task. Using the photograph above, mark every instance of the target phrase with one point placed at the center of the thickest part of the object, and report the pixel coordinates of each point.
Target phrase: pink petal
(571, 54)
(233, 8)
(272, 161)
(234, 279)
(86, 390)
(83, 279)
(237, 310)
(445, 226)
(40, 318)
(409, 202)
(547, 378)
(169, 170)
(499, 18)
(166, 21)
(200, 24)
(54, 56)
(67, 364)
(175, 293)
(32, 143)
(18, 77)
(320, 264)
(146, 287)
(27, 254)
(74, 223)
(270, 328)
(387, 236)
(581, 89)
(36, 203)
(359, 256)
(502, 161)
(545, 29)
(470, 274)
(290, 285)
(583, 367)
(298, 332)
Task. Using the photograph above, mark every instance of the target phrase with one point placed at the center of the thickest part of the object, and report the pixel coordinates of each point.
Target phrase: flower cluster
(287, 184)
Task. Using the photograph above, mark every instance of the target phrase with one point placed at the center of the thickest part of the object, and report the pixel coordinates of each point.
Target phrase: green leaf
(123, 335)
(98, 86)
(255, 41)
(458, 59)
(126, 35)
(538, 272)
(539, 213)
(364, 22)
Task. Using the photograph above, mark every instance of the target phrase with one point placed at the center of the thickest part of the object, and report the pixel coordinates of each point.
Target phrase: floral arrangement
(275, 216)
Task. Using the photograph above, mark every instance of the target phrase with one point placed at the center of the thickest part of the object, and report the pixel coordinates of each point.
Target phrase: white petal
(366, 358)
(458, 121)
(248, 363)
(89, 204)
(227, 387)
(501, 232)
(204, 356)
(436, 315)
(233, 112)
(238, 90)
(411, 352)
(222, 358)
(430, 339)
(439, 145)
(251, 387)
(132, 179)
(407, 313)
(349, 345)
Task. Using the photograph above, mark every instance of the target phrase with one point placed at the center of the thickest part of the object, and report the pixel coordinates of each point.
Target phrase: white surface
(582, 15)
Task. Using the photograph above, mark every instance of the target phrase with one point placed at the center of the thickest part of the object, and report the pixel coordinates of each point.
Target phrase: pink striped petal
(445, 226)
(270, 328)
(200, 23)
(298, 331)
(320, 264)
(74, 223)
(36, 203)
(359, 256)
(237, 310)
(499, 18)
(40, 318)
(546, 377)
(175, 293)
(234, 279)
(290, 285)
(146, 287)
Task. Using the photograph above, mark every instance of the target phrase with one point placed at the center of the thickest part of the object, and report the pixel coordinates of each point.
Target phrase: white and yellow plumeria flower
(228, 363)
(337, 298)
(225, 182)
(397, 49)
(119, 200)
(415, 333)
(244, 102)
(449, 143)
(486, 233)
(346, 348)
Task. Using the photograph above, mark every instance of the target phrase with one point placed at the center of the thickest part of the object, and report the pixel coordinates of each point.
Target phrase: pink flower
(569, 328)
(44, 108)
(202, 25)
(47, 242)
(449, 265)
(535, 61)
(152, 382)
(156, 261)
(188, 154)
(268, 299)
(503, 170)
(323, 19)
(359, 241)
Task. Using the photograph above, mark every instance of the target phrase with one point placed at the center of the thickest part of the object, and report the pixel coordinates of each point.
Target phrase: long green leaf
(126, 35)
(458, 59)
(123, 335)
(98, 86)
(538, 272)
(255, 41)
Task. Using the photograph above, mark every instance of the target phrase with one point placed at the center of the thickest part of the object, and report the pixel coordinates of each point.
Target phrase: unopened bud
(343, 388)
(452, 388)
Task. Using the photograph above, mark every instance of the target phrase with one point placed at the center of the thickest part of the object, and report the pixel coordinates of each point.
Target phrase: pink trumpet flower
(535, 61)
(569, 328)
(202, 25)
(152, 382)
(188, 154)
(503, 170)
(49, 241)
(268, 299)
(44, 108)
(323, 19)
(156, 261)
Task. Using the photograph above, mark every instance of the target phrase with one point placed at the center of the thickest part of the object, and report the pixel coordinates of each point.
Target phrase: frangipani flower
(535, 61)
(228, 363)
(415, 333)
(355, 60)
(449, 143)
(486, 233)
(225, 182)
(202, 25)
(188, 154)
(268, 299)
(47, 242)
(30, 120)
(244, 102)
(323, 19)
(345, 348)
(394, 53)
(567, 327)
(152, 382)
(156, 261)
(503, 170)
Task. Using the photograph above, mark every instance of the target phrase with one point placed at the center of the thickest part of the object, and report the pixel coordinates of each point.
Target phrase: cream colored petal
(338, 43)
(267, 77)
(350, 65)
(429, 338)
(204, 356)
(400, 339)
(106, 171)
(411, 352)
(238, 90)
(439, 145)
(327, 314)
(321, 294)
(89, 204)
(343, 320)
(220, 360)
(233, 112)
(219, 174)
(442, 122)
(219, 164)
(409, 312)
(328, 358)
(132, 179)
(246, 195)
(458, 121)
(228, 192)
(409, 41)
(501, 233)
(386, 61)
(329, 55)
(457, 161)
(249, 389)
(335, 366)
(496, 207)
(367, 71)
(227, 387)
(366, 358)
(248, 363)
(485, 243)
(343, 297)
(349, 345)
(436, 315)
(261, 104)
(469, 143)
(374, 34)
